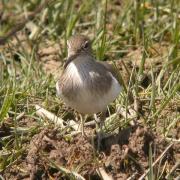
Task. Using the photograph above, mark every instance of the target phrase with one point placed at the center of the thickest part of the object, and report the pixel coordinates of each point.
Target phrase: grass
(144, 31)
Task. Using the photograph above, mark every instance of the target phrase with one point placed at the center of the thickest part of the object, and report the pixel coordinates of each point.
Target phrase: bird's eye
(86, 45)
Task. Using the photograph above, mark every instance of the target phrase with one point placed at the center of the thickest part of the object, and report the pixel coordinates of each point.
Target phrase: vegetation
(140, 37)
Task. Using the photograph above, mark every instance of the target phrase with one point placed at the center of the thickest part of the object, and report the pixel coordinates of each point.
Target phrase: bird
(86, 85)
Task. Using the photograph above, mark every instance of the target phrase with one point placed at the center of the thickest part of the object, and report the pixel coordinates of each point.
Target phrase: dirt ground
(122, 155)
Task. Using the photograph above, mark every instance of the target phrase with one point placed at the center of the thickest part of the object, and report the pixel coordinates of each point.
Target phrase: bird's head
(79, 44)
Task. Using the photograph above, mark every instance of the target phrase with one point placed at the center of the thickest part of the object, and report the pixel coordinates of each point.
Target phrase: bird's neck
(79, 60)
(79, 68)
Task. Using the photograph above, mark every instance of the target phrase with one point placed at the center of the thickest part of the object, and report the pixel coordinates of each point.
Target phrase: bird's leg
(96, 121)
(99, 126)
(102, 118)
(98, 131)
(82, 124)
(82, 117)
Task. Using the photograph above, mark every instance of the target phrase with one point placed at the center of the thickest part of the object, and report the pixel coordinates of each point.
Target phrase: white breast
(72, 73)
(86, 102)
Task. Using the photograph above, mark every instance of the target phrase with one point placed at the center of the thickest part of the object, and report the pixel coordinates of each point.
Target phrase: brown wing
(111, 68)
